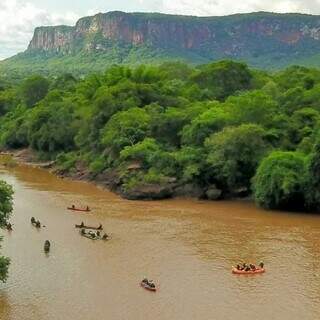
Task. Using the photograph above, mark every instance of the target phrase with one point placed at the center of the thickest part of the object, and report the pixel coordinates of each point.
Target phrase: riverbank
(112, 181)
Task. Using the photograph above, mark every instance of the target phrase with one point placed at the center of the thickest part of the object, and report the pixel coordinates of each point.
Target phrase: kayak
(87, 227)
(147, 286)
(78, 209)
(259, 270)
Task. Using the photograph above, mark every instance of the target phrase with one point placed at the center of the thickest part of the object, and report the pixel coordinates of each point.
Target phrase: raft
(258, 270)
(79, 226)
(79, 209)
(147, 287)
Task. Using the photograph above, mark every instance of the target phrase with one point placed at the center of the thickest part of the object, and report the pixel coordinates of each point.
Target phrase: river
(186, 246)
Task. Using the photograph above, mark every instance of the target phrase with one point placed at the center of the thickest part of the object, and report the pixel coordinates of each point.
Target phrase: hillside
(264, 40)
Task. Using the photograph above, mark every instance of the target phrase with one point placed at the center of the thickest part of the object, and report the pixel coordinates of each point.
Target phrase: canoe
(259, 270)
(88, 235)
(78, 209)
(147, 287)
(79, 226)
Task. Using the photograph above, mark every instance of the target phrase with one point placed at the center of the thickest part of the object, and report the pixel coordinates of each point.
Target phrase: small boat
(36, 223)
(258, 270)
(90, 235)
(148, 286)
(82, 226)
(87, 209)
(47, 246)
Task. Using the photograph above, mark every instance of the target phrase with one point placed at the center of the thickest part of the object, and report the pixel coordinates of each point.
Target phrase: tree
(223, 78)
(34, 89)
(312, 181)
(126, 128)
(208, 122)
(52, 129)
(6, 207)
(252, 107)
(279, 181)
(234, 154)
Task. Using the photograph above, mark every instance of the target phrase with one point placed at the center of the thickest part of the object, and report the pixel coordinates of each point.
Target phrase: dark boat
(90, 235)
(47, 246)
(35, 223)
(82, 226)
(148, 286)
(79, 209)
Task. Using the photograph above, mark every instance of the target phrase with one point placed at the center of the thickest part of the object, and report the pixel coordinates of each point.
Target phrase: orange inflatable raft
(258, 270)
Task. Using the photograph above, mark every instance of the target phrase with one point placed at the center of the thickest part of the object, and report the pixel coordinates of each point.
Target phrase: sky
(20, 17)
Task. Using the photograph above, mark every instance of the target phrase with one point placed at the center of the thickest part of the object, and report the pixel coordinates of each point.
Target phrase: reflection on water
(187, 246)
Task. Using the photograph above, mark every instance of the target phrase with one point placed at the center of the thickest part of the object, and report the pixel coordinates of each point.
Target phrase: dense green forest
(6, 207)
(215, 131)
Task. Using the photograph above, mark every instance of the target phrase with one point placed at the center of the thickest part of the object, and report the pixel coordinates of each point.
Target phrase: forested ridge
(215, 131)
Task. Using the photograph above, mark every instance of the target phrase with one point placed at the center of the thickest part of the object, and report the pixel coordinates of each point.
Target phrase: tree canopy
(211, 126)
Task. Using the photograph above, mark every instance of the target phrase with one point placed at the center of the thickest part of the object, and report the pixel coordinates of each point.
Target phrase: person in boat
(33, 220)
(82, 224)
(247, 268)
(98, 233)
(253, 267)
(73, 206)
(105, 237)
(261, 265)
(238, 267)
(148, 283)
(83, 231)
(87, 208)
(38, 224)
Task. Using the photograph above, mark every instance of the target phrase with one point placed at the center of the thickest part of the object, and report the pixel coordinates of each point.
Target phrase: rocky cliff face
(231, 36)
(52, 38)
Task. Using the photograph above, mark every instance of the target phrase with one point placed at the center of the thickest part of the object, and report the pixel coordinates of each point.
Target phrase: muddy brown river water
(186, 246)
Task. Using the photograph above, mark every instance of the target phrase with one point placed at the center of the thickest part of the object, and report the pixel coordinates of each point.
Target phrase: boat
(79, 209)
(81, 226)
(258, 270)
(147, 286)
(89, 235)
(47, 246)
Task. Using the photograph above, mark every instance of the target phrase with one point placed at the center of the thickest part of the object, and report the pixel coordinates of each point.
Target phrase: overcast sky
(20, 17)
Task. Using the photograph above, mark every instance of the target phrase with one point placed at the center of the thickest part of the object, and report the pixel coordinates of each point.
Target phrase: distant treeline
(222, 128)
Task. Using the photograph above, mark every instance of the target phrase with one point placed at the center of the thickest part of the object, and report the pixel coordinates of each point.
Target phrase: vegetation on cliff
(214, 131)
(262, 39)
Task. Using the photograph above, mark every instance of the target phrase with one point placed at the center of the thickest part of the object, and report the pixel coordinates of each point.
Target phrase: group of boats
(94, 233)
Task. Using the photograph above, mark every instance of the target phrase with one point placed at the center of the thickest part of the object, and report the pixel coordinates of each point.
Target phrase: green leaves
(234, 154)
(279, 181)
(126, 128)
(6, 207)
(6, 202)
(34, 89)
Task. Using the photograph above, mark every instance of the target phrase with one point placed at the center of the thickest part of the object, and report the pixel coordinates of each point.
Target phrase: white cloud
(18, 20)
